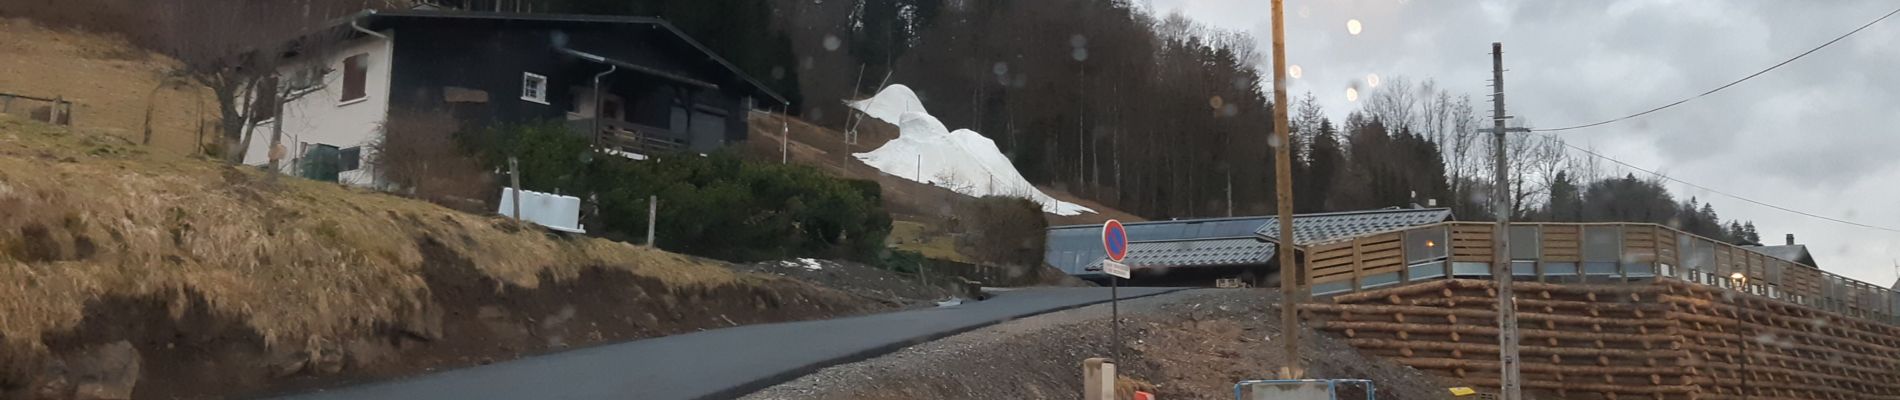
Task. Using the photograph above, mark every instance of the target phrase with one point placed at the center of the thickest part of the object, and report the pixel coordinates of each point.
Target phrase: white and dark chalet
(634, 85)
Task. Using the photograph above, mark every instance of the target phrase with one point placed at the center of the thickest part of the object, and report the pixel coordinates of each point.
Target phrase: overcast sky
(1818, 135)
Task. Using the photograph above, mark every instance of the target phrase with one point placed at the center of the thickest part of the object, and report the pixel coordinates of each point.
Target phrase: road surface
(723, 363)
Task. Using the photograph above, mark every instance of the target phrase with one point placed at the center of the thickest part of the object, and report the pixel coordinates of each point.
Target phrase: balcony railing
(630, 139)
(1586, 253)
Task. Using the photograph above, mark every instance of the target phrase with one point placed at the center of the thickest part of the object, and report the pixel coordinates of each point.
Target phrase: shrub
(418, 153)
(717, 206)
(1003, 230)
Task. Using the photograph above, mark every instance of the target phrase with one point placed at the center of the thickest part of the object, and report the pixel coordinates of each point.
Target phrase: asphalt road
(723, 363)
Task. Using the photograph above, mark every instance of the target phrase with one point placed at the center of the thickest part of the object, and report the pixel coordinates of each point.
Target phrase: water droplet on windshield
(1372, 81)
(1078, 41)
(1353, 26)
(1352, 94)
(1293, 70)
(1001, 68)
(832, 42)
(1080, 54)
(1215, 102)
(778, 73)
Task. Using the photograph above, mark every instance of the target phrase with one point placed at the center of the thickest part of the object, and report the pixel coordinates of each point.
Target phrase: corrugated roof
(1315, 228)
(1205, 252)
(1239, 241)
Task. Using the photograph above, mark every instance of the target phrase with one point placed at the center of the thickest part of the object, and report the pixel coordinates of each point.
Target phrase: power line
(1738, 81)
(1711, 190)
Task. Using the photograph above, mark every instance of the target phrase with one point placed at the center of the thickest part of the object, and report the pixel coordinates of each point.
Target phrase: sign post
(1115, 243)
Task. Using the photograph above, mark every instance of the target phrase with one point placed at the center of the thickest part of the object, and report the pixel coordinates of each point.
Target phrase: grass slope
(89, 215)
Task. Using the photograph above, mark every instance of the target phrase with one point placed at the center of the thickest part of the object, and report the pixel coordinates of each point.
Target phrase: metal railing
(1587, 253)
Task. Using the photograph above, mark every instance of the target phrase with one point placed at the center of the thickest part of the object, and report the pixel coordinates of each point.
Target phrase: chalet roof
(380, 18)
(1794, 253)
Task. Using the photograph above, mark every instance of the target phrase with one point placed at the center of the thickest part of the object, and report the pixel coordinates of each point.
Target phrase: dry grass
(107, 79)
(932, 243)
(85, 215)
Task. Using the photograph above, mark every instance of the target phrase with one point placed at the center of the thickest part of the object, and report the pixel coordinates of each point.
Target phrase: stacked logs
(1647, 340)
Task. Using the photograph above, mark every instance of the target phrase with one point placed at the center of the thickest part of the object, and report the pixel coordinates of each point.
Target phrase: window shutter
(355, 70)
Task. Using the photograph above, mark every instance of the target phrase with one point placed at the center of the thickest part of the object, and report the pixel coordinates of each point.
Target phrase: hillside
(109, 81)
(111, 252)
(908, 200)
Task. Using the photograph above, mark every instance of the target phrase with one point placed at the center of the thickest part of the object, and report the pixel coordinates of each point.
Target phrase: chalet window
(534, 87)
(350, 159)
(355, 72)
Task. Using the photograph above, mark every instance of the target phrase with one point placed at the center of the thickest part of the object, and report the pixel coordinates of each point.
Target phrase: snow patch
(806, 263)
(963, 160)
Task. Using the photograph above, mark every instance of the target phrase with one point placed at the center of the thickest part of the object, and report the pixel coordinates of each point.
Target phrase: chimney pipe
(1790, 239)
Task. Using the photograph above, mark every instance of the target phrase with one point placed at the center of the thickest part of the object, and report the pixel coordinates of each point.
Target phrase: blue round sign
(1115, 240)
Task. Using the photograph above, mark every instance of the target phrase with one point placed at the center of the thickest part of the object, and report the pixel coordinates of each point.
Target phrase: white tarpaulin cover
(557, 212)
(963, 161)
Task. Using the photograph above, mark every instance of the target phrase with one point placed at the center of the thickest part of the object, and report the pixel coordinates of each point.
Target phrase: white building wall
(320, 116)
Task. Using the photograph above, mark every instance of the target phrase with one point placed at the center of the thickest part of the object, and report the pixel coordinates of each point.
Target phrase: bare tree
(237, 48)
(1394, 103)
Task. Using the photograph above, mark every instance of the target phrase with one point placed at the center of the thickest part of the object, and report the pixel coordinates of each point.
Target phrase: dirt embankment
(128, 274)
(1191, 345)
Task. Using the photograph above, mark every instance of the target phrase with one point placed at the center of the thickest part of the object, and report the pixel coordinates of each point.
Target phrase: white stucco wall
(321, 117)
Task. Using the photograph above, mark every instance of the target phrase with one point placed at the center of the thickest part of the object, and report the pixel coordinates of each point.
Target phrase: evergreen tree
(1566, 201)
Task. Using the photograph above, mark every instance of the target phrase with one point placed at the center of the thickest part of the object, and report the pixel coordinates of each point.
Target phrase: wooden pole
(1290, 271)
(653, 213)
(1509, 377)
(514, 180)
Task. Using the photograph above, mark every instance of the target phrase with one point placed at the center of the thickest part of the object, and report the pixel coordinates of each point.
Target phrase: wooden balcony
(628, 139)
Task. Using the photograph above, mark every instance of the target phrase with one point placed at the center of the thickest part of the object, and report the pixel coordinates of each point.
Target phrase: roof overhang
(383, 19)
(638, 68)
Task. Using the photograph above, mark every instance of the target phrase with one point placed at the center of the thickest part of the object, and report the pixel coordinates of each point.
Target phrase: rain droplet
(1372, 81)
(1230, 110)
(806, 64)
(1078, 41)
(1273, 141)
(816, 114)
(832, 42)
(1080, 54)
(1353, 26)
(1293, 70)
(1352, 94)
(1001, 68)
(1215, 102)
(778, 73)
(1021, 80)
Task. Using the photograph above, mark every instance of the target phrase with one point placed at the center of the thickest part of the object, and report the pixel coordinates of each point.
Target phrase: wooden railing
(57, 111)
(628, 137)
(1592, 252)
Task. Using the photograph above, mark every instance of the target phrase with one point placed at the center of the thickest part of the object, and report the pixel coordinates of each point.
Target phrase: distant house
(633, 85)
(1797, 253)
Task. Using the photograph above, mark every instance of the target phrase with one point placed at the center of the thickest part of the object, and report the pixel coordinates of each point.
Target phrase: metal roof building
(1221, 242)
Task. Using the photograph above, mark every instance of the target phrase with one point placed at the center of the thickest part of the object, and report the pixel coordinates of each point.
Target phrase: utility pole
(1290, 272)
(1508, 378)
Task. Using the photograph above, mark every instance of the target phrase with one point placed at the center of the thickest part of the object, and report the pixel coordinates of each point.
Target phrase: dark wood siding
(433, 55)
